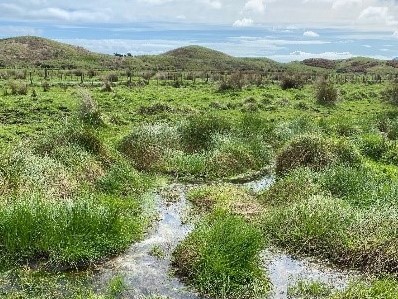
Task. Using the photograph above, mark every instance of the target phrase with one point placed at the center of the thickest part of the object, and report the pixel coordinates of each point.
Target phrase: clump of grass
(89, 112)
(148, 144)
(66, 233)
(305, 151)
(123, 180)
(311, 225)
(232, 156)
(386, 288)
(373, 145)
(310, 289)
(390, 94)
(197, 133)
(221, 258)
(227, 197)
(315, 152)
(298, 184)
(18, 87)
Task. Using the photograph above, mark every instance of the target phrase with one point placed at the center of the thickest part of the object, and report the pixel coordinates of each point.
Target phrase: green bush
(18, 87)
(221, 258)
(374, 146)
(326, 93)
(391, 93)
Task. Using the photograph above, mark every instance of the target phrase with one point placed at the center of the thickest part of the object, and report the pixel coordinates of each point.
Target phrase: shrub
(326, 93)
(290, 81)
(46, 86)
(233, 82)
(391, 93)
(221, 258)
(112, 77)
(18, 88)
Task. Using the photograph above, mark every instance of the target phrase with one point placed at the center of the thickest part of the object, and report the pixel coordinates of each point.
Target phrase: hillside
(41, 52)
(30, 51)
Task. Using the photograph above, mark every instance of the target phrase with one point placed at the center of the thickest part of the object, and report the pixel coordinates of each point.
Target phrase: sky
(283, 30)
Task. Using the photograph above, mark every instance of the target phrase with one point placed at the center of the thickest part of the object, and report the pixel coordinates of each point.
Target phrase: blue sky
(282, 30)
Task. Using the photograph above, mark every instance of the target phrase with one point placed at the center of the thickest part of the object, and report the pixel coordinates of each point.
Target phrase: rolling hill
(32, 52)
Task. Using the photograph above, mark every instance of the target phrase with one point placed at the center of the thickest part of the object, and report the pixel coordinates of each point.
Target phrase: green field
(83, 150)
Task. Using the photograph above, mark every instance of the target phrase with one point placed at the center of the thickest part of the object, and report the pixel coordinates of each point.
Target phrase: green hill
(28, 51)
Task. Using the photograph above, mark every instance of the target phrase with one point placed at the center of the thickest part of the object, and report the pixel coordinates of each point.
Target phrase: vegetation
(221, 258)
(84, 138)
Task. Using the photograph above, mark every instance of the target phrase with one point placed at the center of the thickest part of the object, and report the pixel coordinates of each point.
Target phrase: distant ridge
(30, 51)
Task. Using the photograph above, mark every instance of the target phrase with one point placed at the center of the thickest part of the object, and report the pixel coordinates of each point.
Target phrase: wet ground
(146, 265)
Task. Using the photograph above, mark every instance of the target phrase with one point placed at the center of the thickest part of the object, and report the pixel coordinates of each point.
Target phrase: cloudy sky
(283, 30)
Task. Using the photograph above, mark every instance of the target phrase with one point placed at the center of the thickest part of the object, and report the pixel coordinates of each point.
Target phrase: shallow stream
(146, 268)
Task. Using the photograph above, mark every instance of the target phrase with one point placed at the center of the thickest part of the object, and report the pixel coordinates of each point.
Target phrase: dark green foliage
(373, 145)
(291, 81)
(221, 258)
(391, 93)
(326, 93)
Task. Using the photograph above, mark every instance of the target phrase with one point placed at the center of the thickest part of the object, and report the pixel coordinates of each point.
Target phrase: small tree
(326, 93)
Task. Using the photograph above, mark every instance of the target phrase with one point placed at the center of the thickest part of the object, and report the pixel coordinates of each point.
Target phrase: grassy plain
(78, 159)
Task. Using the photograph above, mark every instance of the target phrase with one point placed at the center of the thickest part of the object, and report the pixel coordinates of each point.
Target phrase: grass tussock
(220, 258)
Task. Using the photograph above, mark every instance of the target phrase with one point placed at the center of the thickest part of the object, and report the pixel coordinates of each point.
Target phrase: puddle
(260, 184)
(146, 274)
(285, 271)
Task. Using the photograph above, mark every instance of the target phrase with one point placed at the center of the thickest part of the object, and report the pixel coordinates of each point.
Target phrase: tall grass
(71, 232)
(221, 258)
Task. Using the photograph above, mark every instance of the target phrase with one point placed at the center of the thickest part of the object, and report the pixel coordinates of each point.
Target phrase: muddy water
(147, 273)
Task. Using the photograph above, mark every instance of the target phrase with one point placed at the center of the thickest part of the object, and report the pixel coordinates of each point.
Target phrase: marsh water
(146, 266)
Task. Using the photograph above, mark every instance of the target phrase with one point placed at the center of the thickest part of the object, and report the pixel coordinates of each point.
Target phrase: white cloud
(213, 3)
(255, 6)
(377, 14)
(8, 31)
(395, 34)
(245, 22)
(310, 34)
(344, 4)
